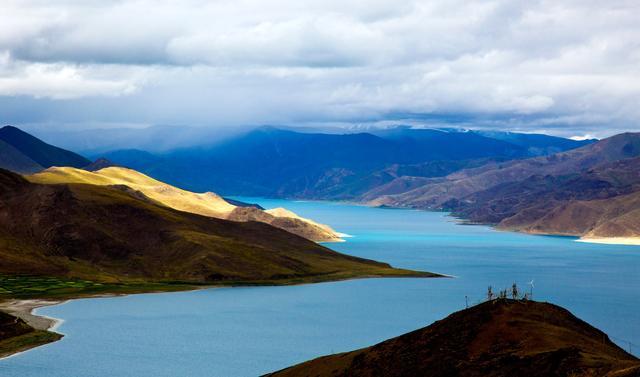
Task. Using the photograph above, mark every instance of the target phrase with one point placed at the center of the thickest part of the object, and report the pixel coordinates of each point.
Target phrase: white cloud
(287, 61)
(58, 81)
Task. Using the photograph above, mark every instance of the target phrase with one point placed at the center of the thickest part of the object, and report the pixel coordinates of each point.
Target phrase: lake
(250, 331)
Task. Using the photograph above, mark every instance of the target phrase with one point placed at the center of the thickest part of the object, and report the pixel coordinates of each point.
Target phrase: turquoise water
(249, 331)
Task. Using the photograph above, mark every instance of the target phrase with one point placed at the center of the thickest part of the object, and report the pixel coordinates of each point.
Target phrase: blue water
(249, 331)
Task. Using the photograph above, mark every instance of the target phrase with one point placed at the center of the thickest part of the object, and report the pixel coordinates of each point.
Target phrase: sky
(570, 68)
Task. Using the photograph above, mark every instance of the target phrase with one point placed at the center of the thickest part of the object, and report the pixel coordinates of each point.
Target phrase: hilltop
(500, 338)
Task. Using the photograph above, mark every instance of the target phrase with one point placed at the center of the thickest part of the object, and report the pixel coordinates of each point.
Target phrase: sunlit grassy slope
(206, 204)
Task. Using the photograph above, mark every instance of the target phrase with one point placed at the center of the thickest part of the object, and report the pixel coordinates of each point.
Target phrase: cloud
(58, 81)
(564, 65)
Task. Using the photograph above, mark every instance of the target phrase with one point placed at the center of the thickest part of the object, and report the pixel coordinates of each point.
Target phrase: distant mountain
(541, 192)
(600, 204)
(206, 204)
(611, 220)
(23, 153)
(111, 234)
(427, 144)
(500, 338)
(587, 192)
(273, 162)
(468, 181)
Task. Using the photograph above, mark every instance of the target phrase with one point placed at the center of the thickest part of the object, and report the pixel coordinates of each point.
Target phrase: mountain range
(283, 163)
(500, 338)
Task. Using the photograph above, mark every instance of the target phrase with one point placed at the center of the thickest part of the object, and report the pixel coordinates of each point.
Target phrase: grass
(41, 287)
(35, 285)
(26, 286)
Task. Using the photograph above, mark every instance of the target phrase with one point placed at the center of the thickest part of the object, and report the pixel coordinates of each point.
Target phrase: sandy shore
(612, 240)
(24, 309)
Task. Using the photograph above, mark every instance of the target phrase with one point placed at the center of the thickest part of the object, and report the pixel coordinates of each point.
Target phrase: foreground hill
(501, 338)
(274, 162)
(206, 204)
(112, 234)
(23, 153)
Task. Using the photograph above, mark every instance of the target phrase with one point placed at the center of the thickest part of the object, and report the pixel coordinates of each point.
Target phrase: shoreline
(629, 241)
